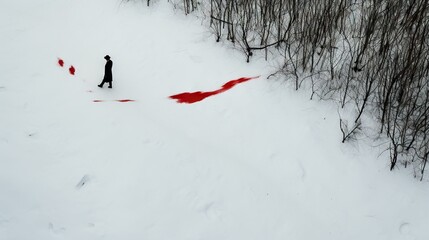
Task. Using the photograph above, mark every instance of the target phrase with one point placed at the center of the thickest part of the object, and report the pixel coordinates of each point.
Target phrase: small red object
(60, 62)
(72, 70)
(119, 100)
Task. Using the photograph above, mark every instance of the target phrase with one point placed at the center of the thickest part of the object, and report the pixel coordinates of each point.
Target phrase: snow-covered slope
(258, 161)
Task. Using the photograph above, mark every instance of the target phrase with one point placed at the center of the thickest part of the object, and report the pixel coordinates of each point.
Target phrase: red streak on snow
(72, 70)
(60, 62)
(119, 100)
(193, 97)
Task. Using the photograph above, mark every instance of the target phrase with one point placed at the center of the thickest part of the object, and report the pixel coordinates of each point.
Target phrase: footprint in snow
(211, 210)
(85, 179)
(56, 230)
(404, 228)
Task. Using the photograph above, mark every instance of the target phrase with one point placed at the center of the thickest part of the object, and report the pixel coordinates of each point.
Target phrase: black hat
(107, 57)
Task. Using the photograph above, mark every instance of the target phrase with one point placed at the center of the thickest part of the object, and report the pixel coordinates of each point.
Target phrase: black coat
(108, 71)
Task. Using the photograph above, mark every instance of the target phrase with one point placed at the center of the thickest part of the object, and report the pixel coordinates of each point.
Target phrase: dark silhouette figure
(107, 72)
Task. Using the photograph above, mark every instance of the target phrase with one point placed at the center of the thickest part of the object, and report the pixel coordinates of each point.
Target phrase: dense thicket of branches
(371, 55)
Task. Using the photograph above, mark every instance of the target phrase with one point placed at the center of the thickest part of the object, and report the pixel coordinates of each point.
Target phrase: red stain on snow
(72, 70)
(119, 100)
(192, 97)
(60, 62)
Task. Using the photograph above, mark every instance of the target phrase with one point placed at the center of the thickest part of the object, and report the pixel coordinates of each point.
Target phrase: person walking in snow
(107, 72)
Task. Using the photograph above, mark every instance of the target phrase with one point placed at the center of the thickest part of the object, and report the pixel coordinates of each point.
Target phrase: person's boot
(100, 86)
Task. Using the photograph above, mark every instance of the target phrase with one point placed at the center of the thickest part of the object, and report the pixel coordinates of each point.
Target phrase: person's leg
(110, 84)
(101, 84)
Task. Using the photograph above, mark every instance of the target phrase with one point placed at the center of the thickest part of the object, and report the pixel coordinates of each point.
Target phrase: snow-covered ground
(259, 161)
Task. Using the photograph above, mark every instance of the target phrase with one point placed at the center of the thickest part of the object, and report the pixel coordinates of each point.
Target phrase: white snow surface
(259, 161)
